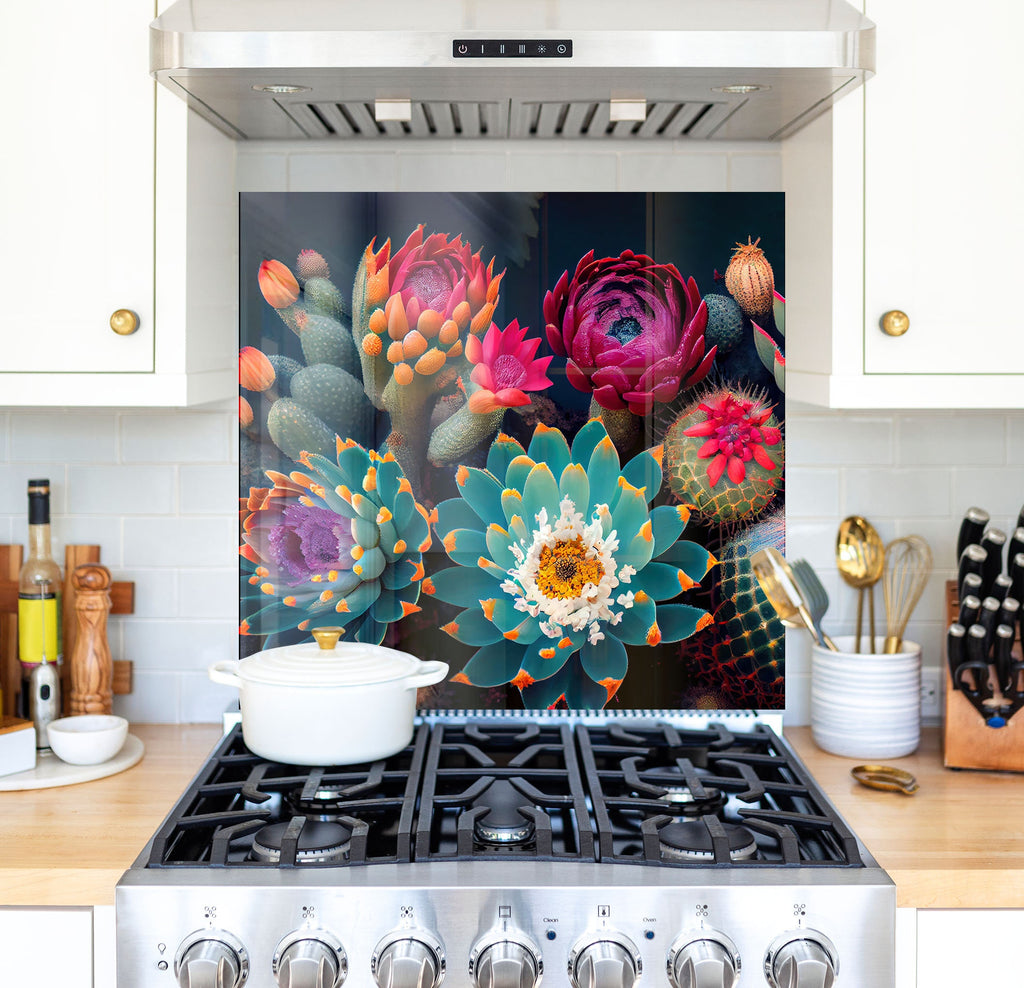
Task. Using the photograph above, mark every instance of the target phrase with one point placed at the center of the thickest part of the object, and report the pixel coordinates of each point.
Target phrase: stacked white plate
(863, 705)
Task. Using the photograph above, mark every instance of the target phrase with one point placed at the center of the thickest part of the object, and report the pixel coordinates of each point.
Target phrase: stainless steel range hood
(670, 69)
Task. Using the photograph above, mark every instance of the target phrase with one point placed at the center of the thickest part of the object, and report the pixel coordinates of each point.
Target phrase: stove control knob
(605, 960)
(310, 959)
(705, 960)
(801, 959)
(505, 960)
(211, 959)
(408, 959)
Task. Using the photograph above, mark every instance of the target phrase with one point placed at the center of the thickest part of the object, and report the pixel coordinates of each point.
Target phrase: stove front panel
(553, 916)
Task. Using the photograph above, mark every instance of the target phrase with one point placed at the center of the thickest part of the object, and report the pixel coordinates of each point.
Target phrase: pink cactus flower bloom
(505, 368)
(736, 434)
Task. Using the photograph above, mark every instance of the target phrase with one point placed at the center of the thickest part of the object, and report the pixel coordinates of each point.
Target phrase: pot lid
(327, 662)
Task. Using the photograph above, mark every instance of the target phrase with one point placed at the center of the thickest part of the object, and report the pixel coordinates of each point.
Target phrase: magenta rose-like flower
(632, 330)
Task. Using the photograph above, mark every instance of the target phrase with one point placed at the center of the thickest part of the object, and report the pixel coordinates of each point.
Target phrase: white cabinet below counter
(100, 217)
(905, 198)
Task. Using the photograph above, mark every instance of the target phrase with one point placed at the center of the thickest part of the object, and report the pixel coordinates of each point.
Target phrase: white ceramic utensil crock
(325, 703)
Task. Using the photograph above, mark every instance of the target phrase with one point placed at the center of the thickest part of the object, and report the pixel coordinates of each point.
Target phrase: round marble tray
(50, 771)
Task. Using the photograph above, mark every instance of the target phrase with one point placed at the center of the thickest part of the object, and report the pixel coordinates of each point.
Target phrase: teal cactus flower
(561, 563)
(342, 543)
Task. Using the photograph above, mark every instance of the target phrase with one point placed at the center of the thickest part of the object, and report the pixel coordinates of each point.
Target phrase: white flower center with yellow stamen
(568, 574)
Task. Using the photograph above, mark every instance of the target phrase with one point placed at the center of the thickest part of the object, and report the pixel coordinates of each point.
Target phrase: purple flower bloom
(632, 330)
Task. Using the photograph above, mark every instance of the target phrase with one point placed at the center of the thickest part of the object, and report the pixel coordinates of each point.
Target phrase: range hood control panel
(514, 48)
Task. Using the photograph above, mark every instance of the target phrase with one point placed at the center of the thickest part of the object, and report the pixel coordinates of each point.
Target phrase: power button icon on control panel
(463, 49)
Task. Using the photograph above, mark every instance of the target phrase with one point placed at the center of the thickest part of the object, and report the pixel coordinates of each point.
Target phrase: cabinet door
(76, 196)
(969, 947)
(944, 136)
(43, 946)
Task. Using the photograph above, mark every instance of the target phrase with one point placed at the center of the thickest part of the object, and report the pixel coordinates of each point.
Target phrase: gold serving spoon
(860, 559)
(776, 581)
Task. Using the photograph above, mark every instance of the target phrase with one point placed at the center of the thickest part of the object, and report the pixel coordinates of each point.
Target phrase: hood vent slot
(582, 119)
(355, 119)
(575, 119)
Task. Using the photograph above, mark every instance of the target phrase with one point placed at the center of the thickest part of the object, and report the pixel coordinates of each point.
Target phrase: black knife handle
(956, 650)
(1001, 658)
(977, 659)
(1017, 575)
(1009, 612)
(988, 618)
(993, 542)
(980, 690)
(1020, 518)
(972, 560)
(1016, 545)
(971, 587)
(1001, 587)
(973, 524)
(970, 608)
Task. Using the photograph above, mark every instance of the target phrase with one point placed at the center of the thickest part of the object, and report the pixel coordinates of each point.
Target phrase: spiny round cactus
(750, 280)
(750, 651)
(725, 323)
(311, 264)
(724, 455)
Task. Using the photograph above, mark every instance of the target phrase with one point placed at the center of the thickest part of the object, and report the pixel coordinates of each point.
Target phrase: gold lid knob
(124, 322)
(327, 638)
(895, 323)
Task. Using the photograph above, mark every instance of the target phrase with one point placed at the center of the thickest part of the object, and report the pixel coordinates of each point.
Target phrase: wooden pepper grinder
(92, 670)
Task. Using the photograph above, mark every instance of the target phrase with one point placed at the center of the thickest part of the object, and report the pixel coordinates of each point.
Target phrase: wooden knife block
(122, 596)
(967, 741)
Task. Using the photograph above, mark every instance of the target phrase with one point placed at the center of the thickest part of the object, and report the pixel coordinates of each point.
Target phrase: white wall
(158, 490)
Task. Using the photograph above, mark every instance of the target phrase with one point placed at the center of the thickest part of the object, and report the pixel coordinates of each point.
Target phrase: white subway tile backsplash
(369, 171)
(209, 593)
(471, 171)
(929, 439)
(174, 437)
(652, 172)
(755, 172)
(109, 489)
(203, 701)
(812, 493)
(179, 645)
(208, 490)
(180, 541)
(86, 437)
(154, 699)
(156, 591)
(576, 170)
(14, 480)
(999, 490)
(815, 440)
(896, 493)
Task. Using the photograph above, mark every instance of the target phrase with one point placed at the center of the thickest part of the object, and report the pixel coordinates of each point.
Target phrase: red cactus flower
(255, 371)
(633, 330)
(278, 284)
(505, 368)
(736, 434)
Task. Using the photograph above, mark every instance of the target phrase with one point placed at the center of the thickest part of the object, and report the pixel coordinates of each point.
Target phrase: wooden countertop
(958, 843)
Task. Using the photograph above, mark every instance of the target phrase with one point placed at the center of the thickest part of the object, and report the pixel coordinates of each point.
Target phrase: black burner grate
(622, 792)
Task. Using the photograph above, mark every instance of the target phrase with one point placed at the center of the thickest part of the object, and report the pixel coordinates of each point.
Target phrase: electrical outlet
(931, 694)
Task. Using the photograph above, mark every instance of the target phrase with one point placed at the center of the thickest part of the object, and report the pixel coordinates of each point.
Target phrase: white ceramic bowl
(88, 739)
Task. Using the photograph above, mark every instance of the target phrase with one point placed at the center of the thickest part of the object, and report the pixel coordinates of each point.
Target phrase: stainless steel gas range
(500, 851)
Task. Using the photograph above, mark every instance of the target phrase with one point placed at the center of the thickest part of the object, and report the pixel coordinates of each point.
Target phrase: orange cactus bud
(462, 314)
(255, 371)
(398, 325)
(449, 332)
(482, 319)
(378, 321)
(245, 415)
(396, 352)
(429, 323)
(278, 284)
(372, 344)
(414, 344)
(376, 287)
(403, 374)
(430, 363)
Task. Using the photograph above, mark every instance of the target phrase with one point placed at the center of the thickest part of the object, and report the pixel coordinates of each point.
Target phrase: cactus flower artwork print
(535, 435)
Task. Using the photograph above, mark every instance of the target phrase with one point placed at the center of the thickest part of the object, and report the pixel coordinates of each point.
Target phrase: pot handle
(430, 673)
(224, 673)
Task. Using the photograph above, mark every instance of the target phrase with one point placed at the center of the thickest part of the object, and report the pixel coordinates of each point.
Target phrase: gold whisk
(908, 564)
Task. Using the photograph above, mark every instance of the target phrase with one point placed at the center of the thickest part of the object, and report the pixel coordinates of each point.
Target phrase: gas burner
(326, 803)
(502, 824)
(318, 843)
(691, 841)
(682, 802)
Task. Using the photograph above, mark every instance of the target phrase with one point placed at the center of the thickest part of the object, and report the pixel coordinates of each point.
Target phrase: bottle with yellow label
(39, 590)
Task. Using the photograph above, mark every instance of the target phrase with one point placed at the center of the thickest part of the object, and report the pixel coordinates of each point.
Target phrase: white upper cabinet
(906, 198)
(98, 217)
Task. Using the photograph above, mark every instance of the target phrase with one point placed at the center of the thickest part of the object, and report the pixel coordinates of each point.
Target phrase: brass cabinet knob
(124, 322)
(895, 323)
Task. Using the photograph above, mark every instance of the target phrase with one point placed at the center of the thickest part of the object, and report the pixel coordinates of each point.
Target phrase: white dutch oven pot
(324, 703)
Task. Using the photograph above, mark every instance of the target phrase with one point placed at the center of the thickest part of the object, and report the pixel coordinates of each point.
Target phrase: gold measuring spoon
(860, 559)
